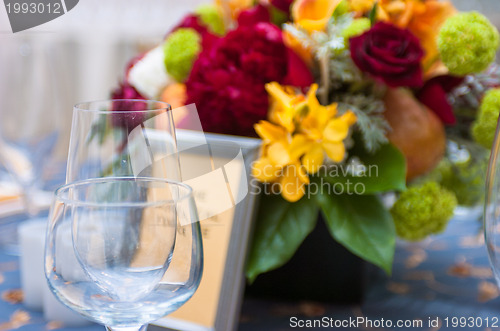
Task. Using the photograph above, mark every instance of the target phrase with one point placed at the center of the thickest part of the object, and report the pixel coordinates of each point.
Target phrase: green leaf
(281, 227)
(385, 171)
(278, 17)
(362, 225)
(98, 129)
(373, 13)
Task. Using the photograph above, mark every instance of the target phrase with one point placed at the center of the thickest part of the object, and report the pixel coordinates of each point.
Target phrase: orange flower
(313, 15)
(232, 8)
(422, 17)
(303, 52)
(175, 95)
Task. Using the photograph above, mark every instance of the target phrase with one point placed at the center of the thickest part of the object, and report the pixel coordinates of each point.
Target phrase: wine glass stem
(130, 328)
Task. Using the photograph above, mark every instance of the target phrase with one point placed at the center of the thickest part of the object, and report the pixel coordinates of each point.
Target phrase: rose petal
(433, 95)
(389, 54)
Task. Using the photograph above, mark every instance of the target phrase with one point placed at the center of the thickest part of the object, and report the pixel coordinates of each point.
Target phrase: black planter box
(320, 270)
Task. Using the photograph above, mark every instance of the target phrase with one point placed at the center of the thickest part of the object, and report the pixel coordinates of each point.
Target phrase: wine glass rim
(79, 202)
(83, 106)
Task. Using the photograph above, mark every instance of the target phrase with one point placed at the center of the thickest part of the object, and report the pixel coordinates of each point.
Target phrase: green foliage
(483, 130)
(468, 43)
(323, 44)
(100, 129)
(385, 171)
(371, 123)
(362, 225)
(211, 18)
(465, 180)
(343, 72)
(181, 50)
(462, 171)
(357, 27)
(423, 210)
(373, 14)
(359, 222)
(281, 228)
(342, 8)
(278, 17)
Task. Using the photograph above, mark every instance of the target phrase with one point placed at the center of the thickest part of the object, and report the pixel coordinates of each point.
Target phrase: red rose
(227, 81)
(434, 95)
(389, 54)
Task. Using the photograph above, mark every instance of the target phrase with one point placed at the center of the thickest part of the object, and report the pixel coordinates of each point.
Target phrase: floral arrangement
(356, 102)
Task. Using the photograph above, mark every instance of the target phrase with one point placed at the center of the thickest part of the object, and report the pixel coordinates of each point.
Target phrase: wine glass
(492, 207)
(122, 138)
(130, 138)
(110, 246)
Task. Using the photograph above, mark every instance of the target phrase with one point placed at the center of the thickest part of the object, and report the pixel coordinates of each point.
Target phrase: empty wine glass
(492, 208)
(110, 246)
(122, 138)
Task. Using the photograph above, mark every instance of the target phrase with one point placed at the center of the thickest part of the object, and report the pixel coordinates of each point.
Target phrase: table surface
(447, 276)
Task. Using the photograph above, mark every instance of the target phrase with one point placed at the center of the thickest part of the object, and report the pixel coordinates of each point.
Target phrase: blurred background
(81, 56)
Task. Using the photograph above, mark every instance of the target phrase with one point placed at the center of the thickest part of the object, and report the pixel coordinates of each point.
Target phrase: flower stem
(129, 328)
(325, 78)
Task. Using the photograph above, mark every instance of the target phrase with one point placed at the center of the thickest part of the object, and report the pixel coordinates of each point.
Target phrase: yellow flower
(361, 6)
(326, 131)
(285, 105)
(302, 132)
(313, 15)
(280, 160)
(293, 182)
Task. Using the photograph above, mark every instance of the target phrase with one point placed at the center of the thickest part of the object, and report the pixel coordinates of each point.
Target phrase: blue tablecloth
(443, 277)
(437, 281)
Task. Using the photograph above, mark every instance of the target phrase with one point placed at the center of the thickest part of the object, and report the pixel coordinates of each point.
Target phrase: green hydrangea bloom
(468, 43)
(357, 27)
(423, 210)
(465, 179)
(181, 50)
(483, 129)
(212, 18)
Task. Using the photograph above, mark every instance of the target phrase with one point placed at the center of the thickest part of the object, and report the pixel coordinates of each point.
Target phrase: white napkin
(11, 201)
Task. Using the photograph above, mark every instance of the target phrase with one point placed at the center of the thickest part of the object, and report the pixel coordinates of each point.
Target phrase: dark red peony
(389, 54)
(227, 81)
(254, 15)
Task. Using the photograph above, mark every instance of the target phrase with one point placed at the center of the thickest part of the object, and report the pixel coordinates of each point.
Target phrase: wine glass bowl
(110, 246)
(492, 208)
(122, 138)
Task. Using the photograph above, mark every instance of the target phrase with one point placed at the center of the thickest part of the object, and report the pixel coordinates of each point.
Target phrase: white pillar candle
(37, 295)
(53, 310)
(70, 269)
(32, 245)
